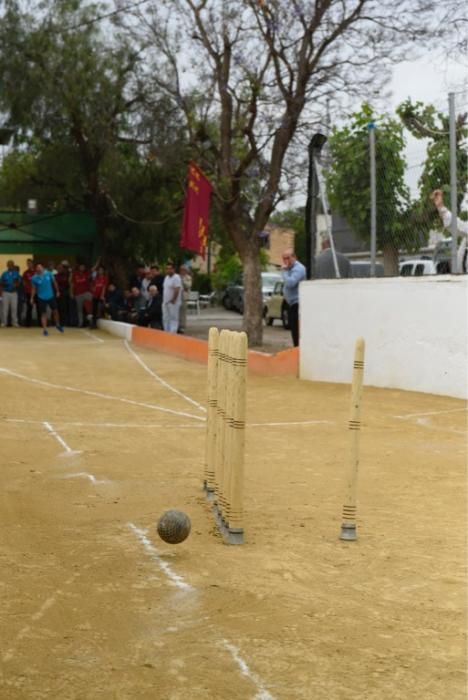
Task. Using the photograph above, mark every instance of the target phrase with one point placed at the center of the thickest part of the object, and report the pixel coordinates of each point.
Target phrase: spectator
(325, 266)
(10, 282)
(186, 279)
(157, 278)
(27, 289)
(293, 273)
(136, 303)
(80, 290)
(151, 314)
(98, 290)
(146, 283)
(44, 285)
(172, 299)
(114, 303)
(462, 228)
(62, 277)
(138, 276)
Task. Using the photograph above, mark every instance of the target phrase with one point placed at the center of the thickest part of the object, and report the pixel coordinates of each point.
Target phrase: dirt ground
(94, 605)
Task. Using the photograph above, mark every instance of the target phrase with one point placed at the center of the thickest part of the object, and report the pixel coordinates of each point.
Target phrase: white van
(417, 268)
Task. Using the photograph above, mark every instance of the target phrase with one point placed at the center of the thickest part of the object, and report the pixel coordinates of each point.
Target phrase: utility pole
(373, 202)
(315, 146)
(453, 183)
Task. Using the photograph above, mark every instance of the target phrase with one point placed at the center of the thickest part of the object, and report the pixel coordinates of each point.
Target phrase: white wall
(121, 330)
(416, 332)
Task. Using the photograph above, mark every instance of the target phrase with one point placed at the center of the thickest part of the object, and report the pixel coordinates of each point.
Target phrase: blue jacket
(291, 280)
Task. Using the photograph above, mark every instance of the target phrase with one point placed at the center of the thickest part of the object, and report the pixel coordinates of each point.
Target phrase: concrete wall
(416, 332)
(121, 330)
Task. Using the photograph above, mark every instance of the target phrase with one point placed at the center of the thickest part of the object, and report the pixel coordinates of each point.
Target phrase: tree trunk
(253, 302)
(390, 259)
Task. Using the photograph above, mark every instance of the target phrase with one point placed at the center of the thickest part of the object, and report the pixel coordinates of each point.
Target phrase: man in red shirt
(80, 290)
(98, 288)
(28, 274)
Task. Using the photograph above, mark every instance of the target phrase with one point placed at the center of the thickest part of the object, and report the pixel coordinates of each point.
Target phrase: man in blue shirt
(10, 281)
(44, 285)
(293, 273)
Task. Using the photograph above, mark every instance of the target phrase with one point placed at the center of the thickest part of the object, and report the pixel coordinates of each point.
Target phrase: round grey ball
(174, 526)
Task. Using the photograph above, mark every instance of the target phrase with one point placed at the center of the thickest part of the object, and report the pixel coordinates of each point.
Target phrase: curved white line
(161, 380)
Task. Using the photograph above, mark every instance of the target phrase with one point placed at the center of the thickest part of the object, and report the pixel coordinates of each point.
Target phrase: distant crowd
(79, 296)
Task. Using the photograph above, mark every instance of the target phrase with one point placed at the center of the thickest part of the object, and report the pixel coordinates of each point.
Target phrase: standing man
(28, 274)
(293, 273)
(157, 278)
(80, 290)
(462, 228)
(99, 286)
(186, 279)
(44, 285)
(172, 298)
(325, 266)
(63, 283)
(10, 281)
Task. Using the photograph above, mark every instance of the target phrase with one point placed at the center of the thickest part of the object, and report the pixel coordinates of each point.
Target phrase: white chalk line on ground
(94, 338)
(262, 692)
(406, 416)
(81, 424)
(164, 426)
(427, 423)
(59, 438)
(85, 475)
(99, 395)
(51, 600)
(161, 380)
(174, 578)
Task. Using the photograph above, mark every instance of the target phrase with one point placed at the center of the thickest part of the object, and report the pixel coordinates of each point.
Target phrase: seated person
(151, 314)
(136, 303)
(114, 303)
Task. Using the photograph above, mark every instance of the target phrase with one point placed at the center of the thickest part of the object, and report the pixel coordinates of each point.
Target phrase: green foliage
(201, 282)
(425, 122)
(89, 133)
(349, 180)
(228, 270)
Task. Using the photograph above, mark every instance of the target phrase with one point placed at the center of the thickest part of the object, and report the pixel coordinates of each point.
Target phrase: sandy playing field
(93, 605)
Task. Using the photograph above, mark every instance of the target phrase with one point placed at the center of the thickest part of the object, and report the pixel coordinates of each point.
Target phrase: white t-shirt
(171, 284)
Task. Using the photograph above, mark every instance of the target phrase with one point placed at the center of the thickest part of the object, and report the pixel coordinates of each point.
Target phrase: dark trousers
(29, 309)
(97, 309)
(63, 305)
(293, 317)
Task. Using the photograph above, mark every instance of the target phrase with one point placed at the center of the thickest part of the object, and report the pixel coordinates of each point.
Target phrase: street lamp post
(315, 146)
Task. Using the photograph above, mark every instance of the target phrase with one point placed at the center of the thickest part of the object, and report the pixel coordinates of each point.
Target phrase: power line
(99, 18)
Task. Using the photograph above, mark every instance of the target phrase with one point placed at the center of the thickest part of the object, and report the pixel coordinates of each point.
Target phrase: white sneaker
(2, 325)
(16, 325)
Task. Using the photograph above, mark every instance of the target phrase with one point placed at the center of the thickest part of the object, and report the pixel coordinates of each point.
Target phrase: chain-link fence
(391, 192)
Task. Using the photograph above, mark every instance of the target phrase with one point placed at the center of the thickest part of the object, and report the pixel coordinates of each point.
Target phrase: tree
(87, 132)
(424, 122)
(348, 183)
(252, 78)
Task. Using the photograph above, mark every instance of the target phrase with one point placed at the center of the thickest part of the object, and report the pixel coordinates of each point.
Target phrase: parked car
(276, 308)
(233, 297)
(362, 268)
(417, 268)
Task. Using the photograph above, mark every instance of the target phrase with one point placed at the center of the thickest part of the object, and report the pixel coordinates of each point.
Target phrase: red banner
(196, 212)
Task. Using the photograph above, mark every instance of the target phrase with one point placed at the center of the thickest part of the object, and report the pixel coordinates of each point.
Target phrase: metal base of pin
(209, 493)
(348, 533)
(229, 536)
